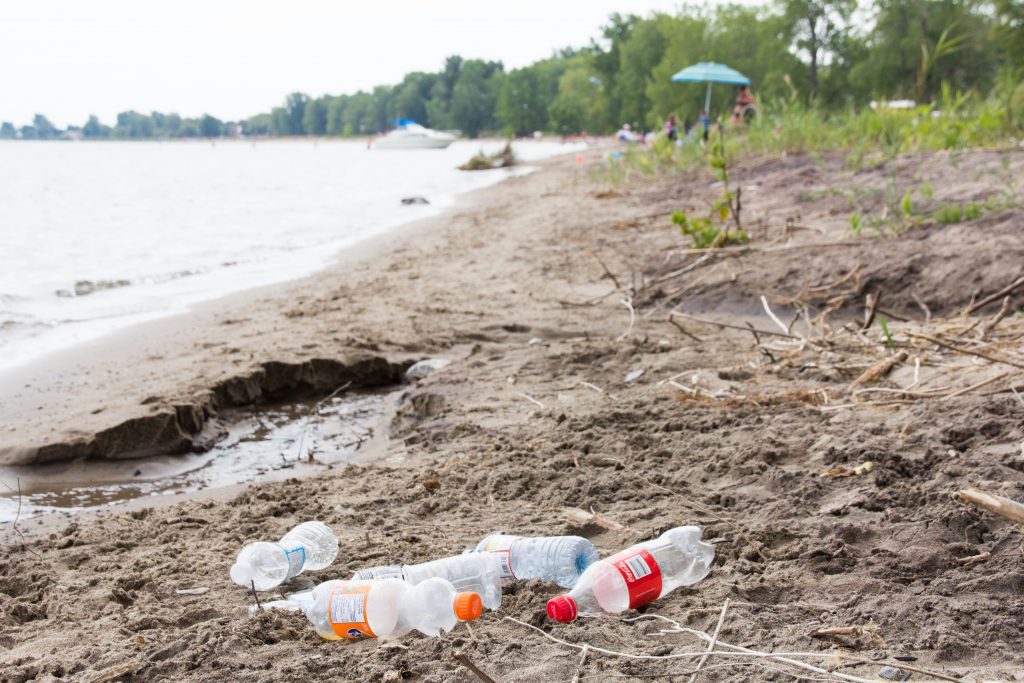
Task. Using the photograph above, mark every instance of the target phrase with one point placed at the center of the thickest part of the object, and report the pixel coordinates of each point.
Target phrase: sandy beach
(546, 292)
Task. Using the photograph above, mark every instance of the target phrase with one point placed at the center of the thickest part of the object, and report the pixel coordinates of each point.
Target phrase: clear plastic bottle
(476, 572)
(310, 545)
(561, 559)
(390, 607)
(637, 575)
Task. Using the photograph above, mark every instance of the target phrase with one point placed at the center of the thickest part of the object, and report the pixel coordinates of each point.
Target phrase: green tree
(314, 116)
(44, 129)
(579, 103)
(294, 111)
(335, 124)
(210, 127)
(8, 131)
(474, 96)
(94, 129)
(817, 28)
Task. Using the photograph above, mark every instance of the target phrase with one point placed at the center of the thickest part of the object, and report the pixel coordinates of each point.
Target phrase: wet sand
(547, 291)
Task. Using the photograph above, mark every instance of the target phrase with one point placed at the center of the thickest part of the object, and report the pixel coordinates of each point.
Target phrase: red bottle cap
(562, 609)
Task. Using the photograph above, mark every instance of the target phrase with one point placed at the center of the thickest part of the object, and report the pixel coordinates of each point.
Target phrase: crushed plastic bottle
(476, 572)
(636, 576)
(561, 559)
(310, 545)
(390, 607)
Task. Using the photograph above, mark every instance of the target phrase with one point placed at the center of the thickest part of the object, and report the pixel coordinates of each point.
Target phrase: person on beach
(670, 128)
(745, 107)
(705, 122)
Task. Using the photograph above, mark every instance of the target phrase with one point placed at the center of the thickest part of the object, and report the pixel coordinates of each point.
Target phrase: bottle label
(641, 573)
(347, 611)
(501, 547)
(379, 573)
(296, 559)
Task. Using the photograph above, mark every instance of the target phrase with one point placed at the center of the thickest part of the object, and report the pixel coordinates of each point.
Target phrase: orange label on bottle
(347, 611)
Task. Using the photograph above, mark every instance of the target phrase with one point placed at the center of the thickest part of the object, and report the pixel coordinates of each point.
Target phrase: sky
(67, 59)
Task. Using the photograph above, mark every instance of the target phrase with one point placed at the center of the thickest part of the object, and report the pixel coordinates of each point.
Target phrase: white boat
(411, 135)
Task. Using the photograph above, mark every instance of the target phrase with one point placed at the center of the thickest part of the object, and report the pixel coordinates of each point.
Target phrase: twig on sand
(983, 383)
(464, 661)
(532, 400)
(880, 369)
(579, 667)
(735, 652)
(783, 656)
(770, 333)
(714, 641)
(924, 307)
(1004, 310)
(252, 584)
(993, 297)
(607, 272)
(1010, 509)
(969, 352)
(679, 327)
(117, 671)
(775, 318)
(628, 303)
(17, 517)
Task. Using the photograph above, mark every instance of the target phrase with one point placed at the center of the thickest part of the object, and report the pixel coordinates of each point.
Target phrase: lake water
(100, 235)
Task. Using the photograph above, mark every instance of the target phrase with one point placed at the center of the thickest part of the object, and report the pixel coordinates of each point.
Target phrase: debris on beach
(506, 158)
(425, 367)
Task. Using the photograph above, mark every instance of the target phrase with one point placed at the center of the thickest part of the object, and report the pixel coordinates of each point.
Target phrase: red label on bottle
(641, 573)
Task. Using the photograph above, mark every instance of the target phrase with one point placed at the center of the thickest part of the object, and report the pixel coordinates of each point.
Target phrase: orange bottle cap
(468, 606)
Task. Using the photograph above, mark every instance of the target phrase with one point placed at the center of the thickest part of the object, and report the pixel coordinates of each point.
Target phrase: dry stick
(464, 661)
(1004, 310)
(681, 329)
(252, 584)
(532, 400)
(579, 667)
(871, 308)
(738, 652)
(1010, 509)
(979, 385)
(993, 297)
(714, 641)
(968, 352)
(771, 314)
(316, 411)
(609, 274)
(839, 655)
(628, 303)
(880, 369)
(17, 516)
(924, 307)
(770, 333)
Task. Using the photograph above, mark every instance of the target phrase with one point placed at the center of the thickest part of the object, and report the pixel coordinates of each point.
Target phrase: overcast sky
(234, 58)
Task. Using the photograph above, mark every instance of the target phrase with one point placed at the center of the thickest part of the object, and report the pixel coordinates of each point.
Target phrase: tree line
(830, 54)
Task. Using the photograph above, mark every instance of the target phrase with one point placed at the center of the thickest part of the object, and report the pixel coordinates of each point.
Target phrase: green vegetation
(813, 66)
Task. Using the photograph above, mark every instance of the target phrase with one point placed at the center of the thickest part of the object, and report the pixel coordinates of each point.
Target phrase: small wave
(86, 287)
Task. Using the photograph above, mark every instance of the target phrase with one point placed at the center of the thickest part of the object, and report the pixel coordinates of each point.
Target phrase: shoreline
(37, 380)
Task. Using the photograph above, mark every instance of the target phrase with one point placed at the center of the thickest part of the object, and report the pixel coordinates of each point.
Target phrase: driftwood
(880, 369)
(1010, 509)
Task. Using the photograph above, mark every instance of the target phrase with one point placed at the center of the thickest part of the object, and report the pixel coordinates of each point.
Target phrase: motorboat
(411, 135)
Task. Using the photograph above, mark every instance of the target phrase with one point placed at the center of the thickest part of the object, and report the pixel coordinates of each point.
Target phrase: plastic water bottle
(561, 559)
(637, 575)
(370, 609)
(310, 545)
(476, 572)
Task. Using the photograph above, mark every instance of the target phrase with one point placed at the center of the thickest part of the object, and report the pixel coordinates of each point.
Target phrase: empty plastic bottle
(561, 559)
(476, 572)
(637, 575)
(310, 545)
(370, 609)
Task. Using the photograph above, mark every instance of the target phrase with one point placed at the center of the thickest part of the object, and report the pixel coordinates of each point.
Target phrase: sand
(546, 291)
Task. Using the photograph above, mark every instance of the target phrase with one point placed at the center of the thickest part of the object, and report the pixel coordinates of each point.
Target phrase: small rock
(414, 200)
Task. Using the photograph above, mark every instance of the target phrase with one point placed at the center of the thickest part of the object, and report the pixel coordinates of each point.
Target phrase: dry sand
(513, 432)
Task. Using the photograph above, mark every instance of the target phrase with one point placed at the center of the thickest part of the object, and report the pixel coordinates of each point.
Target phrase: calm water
(97, 236)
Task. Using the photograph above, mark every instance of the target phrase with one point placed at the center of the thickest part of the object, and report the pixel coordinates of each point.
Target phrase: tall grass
(866, 136)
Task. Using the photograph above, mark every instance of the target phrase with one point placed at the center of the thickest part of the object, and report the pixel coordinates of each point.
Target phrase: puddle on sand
(263, 443)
